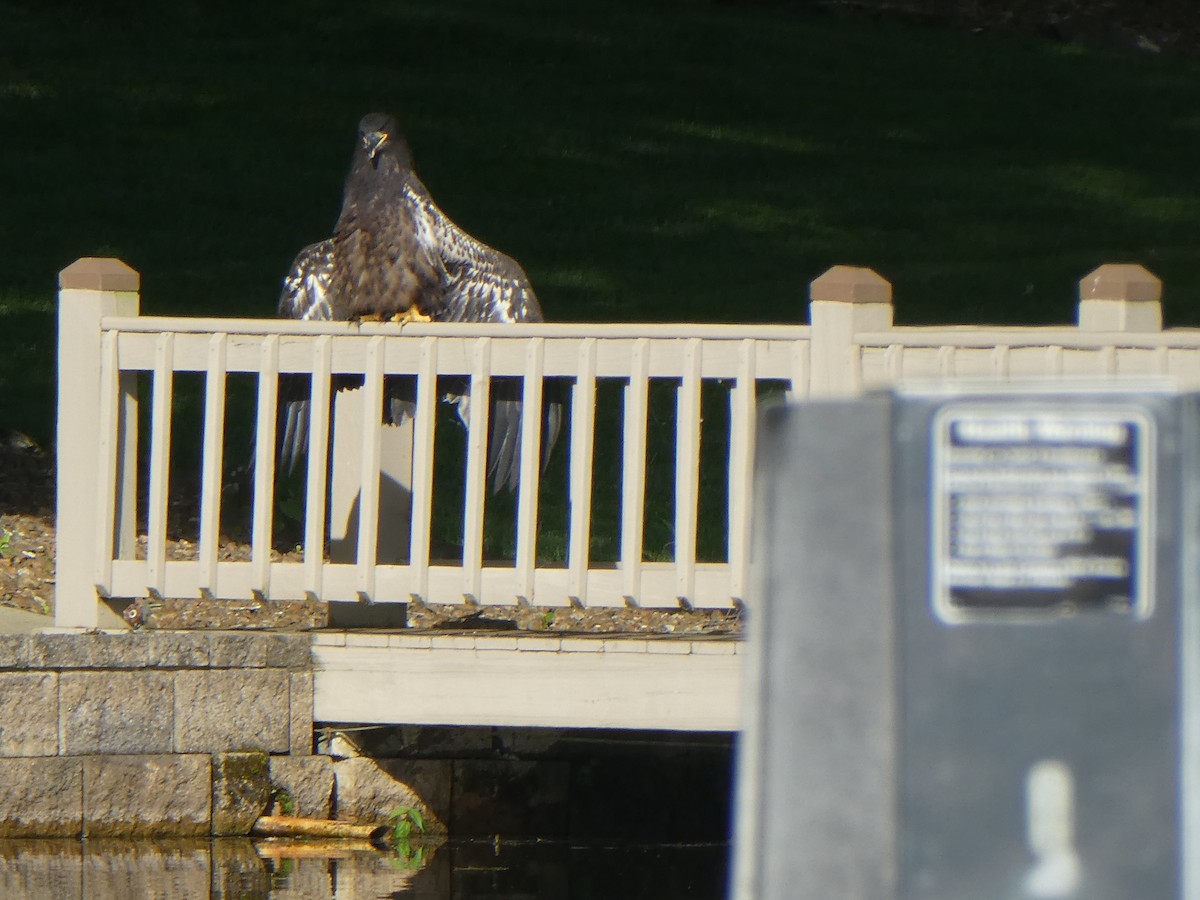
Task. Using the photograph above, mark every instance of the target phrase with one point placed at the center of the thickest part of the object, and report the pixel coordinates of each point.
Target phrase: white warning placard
(1041, 508)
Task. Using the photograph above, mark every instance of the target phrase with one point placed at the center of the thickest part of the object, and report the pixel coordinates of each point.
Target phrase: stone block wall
(149, 733)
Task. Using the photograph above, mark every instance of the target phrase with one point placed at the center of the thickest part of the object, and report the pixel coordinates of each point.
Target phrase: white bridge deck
(684, 683)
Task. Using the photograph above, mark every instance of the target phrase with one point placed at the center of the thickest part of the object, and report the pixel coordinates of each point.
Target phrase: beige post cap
(98, 273)
(851, 284)
(1121, 281)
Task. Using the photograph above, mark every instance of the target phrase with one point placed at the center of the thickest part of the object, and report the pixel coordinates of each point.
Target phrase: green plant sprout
(285, 801)
(403, 820)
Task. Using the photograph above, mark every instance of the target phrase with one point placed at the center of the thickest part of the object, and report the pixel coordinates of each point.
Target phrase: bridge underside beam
(563, 682)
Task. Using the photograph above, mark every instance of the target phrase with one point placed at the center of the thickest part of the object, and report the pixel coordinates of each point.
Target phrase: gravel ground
(26, 525)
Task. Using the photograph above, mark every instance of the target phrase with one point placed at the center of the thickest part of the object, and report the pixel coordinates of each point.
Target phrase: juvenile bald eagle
(395, 256)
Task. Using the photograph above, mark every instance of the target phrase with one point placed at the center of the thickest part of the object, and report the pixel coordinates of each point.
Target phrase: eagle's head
(381, 138)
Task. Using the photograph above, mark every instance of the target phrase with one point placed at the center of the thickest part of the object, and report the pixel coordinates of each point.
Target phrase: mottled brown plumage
(381, 266)
(394, 255)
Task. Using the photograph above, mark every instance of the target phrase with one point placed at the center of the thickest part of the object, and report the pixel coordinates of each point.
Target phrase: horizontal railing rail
(682, 330)
(777, 357)
(965, 337)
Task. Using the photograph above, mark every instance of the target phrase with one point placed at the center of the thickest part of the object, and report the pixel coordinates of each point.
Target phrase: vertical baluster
(160, 455)
(107, 455)
(687, 470)
(583, 431)
(530, 467)
(214, 445)
(422, 476)
(1000, 360)
(126, 489)
(1108, 360)
(372, 449)
(798, 386)
(741, 469)
(893, 361)
(854, 379)
(264, 466)
(477, 429)
(947, 357)
(1054, 360)
(633, 469)
(317, 477)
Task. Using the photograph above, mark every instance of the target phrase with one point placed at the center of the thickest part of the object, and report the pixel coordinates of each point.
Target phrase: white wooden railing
(104, 346)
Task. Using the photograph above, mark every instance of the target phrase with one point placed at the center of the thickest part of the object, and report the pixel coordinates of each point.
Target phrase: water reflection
(240, 869)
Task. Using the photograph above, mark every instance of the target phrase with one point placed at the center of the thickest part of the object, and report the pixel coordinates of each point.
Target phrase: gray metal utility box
(973, 661)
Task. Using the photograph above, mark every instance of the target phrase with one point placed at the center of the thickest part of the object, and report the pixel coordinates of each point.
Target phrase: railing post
(1120, 297)
(845, 301)
(395, 486)
(89, 290)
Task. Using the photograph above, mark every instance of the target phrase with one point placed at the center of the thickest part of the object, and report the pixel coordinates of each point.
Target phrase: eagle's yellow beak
(374, 142)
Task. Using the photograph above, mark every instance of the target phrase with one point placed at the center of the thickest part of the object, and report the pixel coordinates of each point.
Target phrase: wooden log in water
(313, 848)
(297, 826)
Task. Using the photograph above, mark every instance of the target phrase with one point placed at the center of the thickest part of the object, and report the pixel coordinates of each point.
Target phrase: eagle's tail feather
(293, 424)
(553, 413)
(504, 446)
(400, 399)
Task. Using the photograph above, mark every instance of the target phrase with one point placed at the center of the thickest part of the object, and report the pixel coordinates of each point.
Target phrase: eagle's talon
(412, 314)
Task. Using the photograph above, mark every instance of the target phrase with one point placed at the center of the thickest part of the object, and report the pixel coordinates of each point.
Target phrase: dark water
(240, 869)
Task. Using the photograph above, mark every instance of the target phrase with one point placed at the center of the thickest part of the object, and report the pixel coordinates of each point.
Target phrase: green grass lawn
(644, 160)
(650, 160)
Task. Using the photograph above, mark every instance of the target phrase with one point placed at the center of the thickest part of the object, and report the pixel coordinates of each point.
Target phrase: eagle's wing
(306, 289)
(482, 284)
(306, 297)
(496, 290)
(485, 285)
